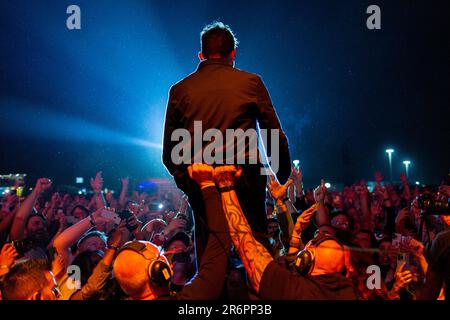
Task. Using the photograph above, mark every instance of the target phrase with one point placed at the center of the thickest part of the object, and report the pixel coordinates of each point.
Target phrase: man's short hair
(35, 214)
(217, 38)
(24, 279)
(81, 207)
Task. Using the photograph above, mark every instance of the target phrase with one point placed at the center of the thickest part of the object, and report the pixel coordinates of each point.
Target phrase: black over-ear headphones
(159, 272)
(304, 262)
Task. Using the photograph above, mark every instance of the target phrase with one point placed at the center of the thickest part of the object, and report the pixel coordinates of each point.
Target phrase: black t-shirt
(278, 283)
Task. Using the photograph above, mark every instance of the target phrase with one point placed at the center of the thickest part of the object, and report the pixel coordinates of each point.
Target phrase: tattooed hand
(226, 176)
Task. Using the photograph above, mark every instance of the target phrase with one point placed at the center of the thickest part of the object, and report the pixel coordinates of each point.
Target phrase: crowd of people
(383, 244)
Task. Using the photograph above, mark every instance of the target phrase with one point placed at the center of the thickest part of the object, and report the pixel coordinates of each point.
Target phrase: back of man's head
(24, 280)
(217, 39)
(329, 258)
(131, 270)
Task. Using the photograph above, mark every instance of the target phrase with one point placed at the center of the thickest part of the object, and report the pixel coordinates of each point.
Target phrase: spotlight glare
(327, 185)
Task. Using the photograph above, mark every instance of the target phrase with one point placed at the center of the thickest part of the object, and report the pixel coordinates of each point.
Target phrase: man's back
(222, 98)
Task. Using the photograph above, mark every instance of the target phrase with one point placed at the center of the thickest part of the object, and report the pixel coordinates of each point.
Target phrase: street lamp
(389, 152)
(407, 163)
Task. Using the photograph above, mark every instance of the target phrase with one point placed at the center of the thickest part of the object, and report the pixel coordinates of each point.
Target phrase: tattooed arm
(253, 254)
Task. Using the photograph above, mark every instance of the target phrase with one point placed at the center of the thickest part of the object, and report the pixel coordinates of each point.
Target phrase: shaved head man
(132, 272)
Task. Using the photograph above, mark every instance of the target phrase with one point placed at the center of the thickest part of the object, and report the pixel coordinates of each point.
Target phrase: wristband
(226, 189)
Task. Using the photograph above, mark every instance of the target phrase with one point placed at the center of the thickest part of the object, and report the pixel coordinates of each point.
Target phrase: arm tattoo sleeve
(253, 254)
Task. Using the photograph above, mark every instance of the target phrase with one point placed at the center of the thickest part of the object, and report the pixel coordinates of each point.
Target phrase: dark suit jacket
(222, 97)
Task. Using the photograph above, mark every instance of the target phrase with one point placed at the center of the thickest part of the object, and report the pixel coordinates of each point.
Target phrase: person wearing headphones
(318, 267)
(144, 273)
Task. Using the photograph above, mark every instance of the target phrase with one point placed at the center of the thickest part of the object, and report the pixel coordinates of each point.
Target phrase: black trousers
(251, 192)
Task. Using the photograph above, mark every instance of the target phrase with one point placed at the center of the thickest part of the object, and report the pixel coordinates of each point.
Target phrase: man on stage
(219, 96)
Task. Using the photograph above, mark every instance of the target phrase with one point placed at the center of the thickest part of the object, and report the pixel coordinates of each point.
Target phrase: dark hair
(81, 207)
(24, 279)
(373, 240)
(93, 233)
(87, 261)
(217, 38)
(35, 214)
(351, 222)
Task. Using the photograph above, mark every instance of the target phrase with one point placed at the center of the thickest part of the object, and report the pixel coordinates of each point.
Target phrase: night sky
(77, 101)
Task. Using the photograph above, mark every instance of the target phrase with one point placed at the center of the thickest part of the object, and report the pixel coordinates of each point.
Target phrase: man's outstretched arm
(253, 254)
(209, 281)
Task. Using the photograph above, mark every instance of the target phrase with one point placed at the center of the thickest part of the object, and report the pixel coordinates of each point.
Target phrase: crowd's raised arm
(386, 243)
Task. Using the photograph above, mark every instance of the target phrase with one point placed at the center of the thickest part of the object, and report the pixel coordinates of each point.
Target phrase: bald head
(131, 272)
(329, 258)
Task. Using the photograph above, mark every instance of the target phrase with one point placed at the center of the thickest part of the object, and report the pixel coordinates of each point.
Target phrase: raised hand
(125, 181)
(8, 255)
(202, 174)
(278, 191)
(174, 226)
(402, 278)
(304, 219)
(43, 184)
(97, 183)
(296, 175)
(412, 246)
(226, 176)
(320, 192)
(56, 200)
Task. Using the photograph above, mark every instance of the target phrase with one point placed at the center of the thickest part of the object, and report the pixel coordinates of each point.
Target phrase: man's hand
(320, 193)
(202, 174)
(43, 184)
(174, 226)
(8, 255)
(412, 246)
(402, 278)
(100, 219)
(277, 190)
(226, 176)
(125, 182)
(304, 220)
(56, 200)
(296, 175)
(97, 183)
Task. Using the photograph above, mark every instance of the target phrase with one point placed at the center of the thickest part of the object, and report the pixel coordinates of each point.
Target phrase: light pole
(389, 152)
(407, 163)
